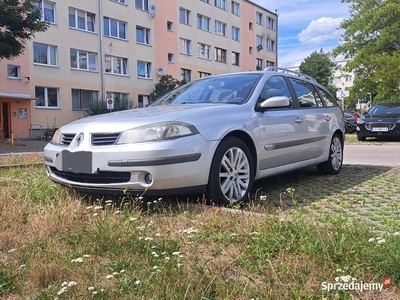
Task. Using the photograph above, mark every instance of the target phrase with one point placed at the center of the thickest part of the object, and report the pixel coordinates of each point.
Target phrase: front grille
(66, 138)
(104, 177)
(104, 139)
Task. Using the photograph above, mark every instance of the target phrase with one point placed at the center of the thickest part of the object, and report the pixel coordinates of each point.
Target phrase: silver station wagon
(215, 135)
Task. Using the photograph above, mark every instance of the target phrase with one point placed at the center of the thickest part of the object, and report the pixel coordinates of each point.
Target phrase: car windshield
(233, 88)
(384, 110)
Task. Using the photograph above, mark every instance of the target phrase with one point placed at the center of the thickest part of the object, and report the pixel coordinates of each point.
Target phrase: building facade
(100, 49)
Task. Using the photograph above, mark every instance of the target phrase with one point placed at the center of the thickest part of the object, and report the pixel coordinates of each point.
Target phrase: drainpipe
(276, 13)
(102, 57)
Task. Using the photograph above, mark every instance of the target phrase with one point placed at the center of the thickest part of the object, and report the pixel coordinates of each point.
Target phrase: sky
(305, 26)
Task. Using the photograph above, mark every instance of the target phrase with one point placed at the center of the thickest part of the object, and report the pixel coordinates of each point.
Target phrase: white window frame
(147, 69)
(120, 1)
(236, 8)
(123, 65)
(118, 25)
(18, 70)
(220, 4)
(91, 60)
(259, 18)
(144, 4)
(90, 19)
(203, 51)
(186, 16)
(186, 74)
(206, 1)
(222, 55)
(41, 5)
(185, 46)
(270, 45)
(259, 64)
(259, 40)
(83, 103)
(46, 98)
(124, 97)
(220, 28)
(203, 22)
(49, 60)
(270, 23)
(146, 33)
(235, 58)
(235, 33)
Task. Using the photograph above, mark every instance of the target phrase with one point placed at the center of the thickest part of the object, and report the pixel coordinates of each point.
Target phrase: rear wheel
(231, 173)
(334, 163)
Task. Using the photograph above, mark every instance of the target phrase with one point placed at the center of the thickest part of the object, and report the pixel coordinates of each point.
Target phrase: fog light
(148, 178)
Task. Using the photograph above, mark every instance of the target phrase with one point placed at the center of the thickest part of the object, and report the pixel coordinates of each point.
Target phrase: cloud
(321, 30)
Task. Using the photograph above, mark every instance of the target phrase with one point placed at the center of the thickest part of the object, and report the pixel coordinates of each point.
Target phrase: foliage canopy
(19, 21)
(165, 84)
(371, 41)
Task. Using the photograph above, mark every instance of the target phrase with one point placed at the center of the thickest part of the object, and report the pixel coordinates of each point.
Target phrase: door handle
(328, 118)
(298, 120)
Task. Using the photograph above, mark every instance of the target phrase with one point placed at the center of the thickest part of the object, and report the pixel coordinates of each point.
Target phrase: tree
(19, 21)
(320, 66)
(165, 84)
(100, 107)
(371, 41)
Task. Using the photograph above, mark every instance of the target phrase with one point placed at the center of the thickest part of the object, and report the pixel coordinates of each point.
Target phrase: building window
(220, 28)
(203, 22)
(220, 55)
(235, 33)
(220, 4)
(184, 16)
(47, 10)
(143, 101)
(259, 41)
(339, 66)
(122, 97)
(270, 63)
(235, 8)
(270, 23)
(235, 58)
(250, 26)
(116, 65)
(186, 75)
(143, 69)
(13, 72)
(170, 26)
(44, 54)
(348, 78)
(114, 28)
(206, 1)
(270, 45)
(143, 35)
(259, 18)
(259, 64)
(171, 58)
(186, 46)
(46, 97)
(250, 50)
(83, 60)
(80, 19)
(204, 74)
(204, 51)
(120, 1)
(142, 4)
(82, 99)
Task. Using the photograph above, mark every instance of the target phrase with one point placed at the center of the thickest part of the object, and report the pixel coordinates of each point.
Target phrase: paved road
(382, 154)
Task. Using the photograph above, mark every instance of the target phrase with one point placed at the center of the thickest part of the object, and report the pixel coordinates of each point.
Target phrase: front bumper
(391, 132)
(157, 168)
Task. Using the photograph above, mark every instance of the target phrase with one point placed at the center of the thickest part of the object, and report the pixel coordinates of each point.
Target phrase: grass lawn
(302, 236)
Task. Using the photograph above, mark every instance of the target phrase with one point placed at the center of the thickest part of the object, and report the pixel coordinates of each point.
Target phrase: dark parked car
(351, 121)
(380, 121)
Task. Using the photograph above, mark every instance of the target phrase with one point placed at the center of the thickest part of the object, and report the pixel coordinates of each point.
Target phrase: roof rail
(283, 70)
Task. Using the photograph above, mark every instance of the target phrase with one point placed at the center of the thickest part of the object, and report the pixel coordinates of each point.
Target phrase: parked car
(216, 135)
(381, 121)
(351, 121)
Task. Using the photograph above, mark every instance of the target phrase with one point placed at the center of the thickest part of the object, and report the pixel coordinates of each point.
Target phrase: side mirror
(275, 102)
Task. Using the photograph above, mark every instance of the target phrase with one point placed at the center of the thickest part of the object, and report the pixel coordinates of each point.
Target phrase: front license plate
(77, 162)
(379, 129)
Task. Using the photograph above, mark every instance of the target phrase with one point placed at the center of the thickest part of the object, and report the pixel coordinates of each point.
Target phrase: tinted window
(306, 93)
(275, 86)
(327, 98)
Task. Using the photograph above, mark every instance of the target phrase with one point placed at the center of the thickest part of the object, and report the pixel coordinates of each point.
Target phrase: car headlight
(56, 137)
(360, 121)
(157, 132)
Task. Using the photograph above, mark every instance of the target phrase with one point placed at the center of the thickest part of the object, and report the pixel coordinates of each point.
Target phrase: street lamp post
(370, 98)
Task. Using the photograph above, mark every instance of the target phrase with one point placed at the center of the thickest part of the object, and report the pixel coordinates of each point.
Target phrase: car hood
(127, 119)
(378, 118)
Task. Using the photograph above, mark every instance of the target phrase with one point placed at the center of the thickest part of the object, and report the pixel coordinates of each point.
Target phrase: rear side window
(306, 94)
(327, 98)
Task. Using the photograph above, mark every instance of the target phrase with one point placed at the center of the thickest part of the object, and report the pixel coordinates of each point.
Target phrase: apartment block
(100, 49)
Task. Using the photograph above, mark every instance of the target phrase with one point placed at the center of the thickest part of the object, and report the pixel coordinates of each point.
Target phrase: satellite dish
(152, 10)
(160, 71)
(259, 47)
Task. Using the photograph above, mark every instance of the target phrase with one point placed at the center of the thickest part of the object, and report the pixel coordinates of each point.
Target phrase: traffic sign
(110, 103)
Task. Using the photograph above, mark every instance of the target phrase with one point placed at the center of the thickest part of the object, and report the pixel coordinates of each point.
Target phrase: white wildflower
(381, 241)
(61, 291)
(12, 250)
(371, 240)
(132, 219)
(90, 288)
(176, 253)
(109, 276)
(137, 282)
(72, 283)
(396, 233)
(64, 283)
(77, 260)
(148, 239)
(98, 207)
(115, 273)
(95, 214)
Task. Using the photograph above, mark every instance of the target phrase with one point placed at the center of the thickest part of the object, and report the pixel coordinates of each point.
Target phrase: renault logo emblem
(79, 139)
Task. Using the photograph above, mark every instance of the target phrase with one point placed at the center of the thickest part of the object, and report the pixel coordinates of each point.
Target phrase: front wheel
(231, 174)
(334, 163)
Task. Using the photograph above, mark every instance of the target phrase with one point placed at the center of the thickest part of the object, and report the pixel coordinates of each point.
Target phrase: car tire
(335, 161)
(231, 173)
(361, 138)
